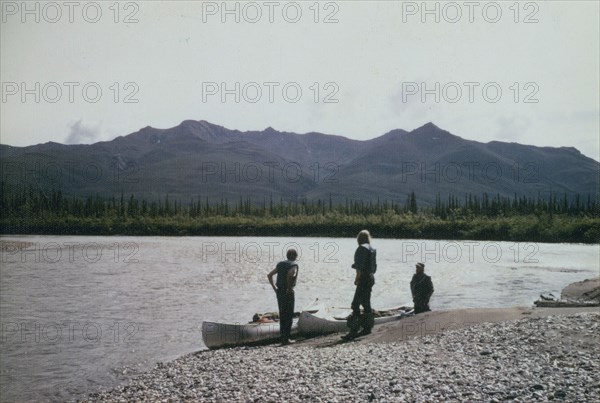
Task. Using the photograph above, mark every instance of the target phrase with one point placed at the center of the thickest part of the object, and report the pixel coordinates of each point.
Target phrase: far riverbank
(529, 228)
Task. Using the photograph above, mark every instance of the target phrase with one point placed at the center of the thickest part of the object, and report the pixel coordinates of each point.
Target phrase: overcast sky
(524, 73)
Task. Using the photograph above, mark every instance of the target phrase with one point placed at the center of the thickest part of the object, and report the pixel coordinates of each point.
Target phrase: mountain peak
(427, 126)
(395, 133)
(192, 123)
(201, 129)
(199, 124)
(430, 130)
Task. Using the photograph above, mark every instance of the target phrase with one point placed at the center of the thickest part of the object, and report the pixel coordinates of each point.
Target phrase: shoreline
(490, 354)
(493, 354)
(434, 322)
(9, 242)
(523, 228)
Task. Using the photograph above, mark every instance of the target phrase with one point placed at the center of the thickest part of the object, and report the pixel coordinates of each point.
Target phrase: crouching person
(421, 288)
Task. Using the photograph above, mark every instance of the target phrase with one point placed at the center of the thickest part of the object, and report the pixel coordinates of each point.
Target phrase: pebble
(534, 359)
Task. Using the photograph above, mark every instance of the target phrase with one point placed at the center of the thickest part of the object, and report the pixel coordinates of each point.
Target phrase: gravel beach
(538, 358)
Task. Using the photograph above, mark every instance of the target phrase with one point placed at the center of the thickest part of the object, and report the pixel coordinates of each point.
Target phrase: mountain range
(201, 160)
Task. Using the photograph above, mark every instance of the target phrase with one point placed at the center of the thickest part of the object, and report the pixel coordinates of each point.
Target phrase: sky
(81, 72)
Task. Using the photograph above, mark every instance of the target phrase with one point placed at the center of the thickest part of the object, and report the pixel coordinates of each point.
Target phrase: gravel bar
(533, 359)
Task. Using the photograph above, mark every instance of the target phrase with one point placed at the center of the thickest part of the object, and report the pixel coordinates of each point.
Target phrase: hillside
(200, 159)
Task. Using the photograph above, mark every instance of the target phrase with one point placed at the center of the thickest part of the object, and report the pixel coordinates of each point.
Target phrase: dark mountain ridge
(198, 159)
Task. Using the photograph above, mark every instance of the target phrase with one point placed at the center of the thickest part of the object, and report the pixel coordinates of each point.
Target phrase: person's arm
(358, 264)
(358, 277)
(290, 279)
(270, 276)
(412, 288)
(430, 293)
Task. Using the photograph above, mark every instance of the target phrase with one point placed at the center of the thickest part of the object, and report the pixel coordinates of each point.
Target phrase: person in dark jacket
(421, 288)
(365, 264)
(287, 273)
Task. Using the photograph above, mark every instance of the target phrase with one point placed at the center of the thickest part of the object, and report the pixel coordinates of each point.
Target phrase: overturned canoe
(543, 303)
(333, 320)
(216, 335)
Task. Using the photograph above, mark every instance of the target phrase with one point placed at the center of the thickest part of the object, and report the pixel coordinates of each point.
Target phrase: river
(83, 313)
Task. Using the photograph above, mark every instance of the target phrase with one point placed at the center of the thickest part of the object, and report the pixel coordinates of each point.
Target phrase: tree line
(29, 202)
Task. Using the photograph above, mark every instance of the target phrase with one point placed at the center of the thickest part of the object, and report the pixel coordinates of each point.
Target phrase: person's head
(363, 237)
(420, 268)
(291, 254)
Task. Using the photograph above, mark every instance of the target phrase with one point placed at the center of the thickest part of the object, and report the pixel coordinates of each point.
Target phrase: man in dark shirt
(421, 288)
(365, 264)
(287, 273)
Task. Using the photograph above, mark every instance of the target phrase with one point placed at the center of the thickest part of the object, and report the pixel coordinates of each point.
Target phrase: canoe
(333, 320)
(217, 335)
(541, 303)
(550, 301)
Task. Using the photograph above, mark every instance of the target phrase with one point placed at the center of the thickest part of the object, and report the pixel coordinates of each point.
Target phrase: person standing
(421, 288)
(287, 274)
(365, 264)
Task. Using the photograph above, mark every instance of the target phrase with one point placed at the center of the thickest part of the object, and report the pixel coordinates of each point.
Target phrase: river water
(83, 313)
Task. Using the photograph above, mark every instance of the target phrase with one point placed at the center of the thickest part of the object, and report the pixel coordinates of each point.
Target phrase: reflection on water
(83, 312)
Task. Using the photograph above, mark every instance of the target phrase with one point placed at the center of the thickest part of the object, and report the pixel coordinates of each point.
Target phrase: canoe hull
(312, 324)
(217, 335)
(565, 304)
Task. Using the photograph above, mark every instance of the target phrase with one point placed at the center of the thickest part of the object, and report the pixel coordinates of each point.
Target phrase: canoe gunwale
(219, 335)
(312, 324)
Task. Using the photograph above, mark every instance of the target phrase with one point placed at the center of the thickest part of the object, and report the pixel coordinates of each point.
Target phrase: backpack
(373, 260)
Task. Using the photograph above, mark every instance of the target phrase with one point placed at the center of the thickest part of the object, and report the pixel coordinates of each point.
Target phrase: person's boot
(353, 322)
(364, 332)
(368, 320)
(350, 336)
